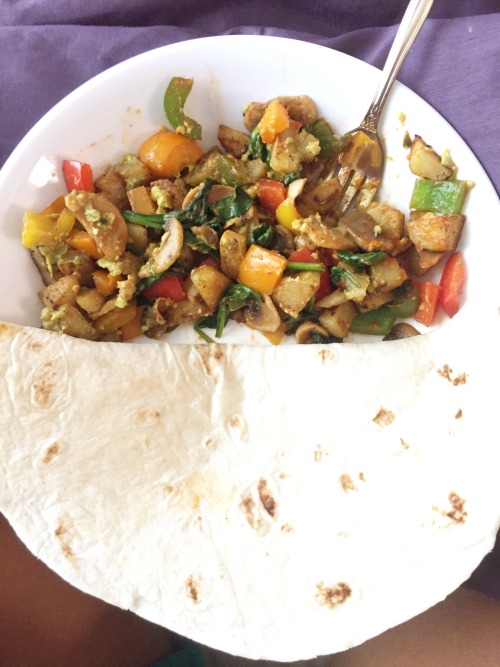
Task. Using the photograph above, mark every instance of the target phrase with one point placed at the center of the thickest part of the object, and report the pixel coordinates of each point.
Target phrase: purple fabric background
(49, 47)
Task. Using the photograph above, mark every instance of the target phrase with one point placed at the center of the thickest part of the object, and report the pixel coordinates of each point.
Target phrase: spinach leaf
(361, 259)
(196, 212)
(337, 273)
(209, 322)
(235, 297)
(261, 235)
(257, 149)
(234, 206)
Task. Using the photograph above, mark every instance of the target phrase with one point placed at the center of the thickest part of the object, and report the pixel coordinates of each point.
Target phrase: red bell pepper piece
(305, 255)
(452, 283)
(169, 287)
(429, 301)
(270, 193)
(210, 261)
(78, 175)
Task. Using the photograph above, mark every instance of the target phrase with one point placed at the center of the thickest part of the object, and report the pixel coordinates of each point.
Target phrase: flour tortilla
(270, 502)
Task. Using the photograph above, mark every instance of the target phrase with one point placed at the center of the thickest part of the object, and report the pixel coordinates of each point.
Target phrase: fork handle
(412, 21)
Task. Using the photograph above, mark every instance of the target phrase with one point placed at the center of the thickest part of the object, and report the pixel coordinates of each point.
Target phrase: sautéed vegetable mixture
(246, 231)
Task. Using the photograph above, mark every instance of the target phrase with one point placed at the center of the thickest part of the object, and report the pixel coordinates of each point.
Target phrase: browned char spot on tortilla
(361, 476)
(148, 416)
(457, 513)
(404, 444)
(43, 387)
(326, 355)
(61, 533)
(192, 589)
(347, 483)
(35, 345)
(332, 596)
(211, 357)
(286, 528)
(384, 417)
(266, 498)
(459, 414)
(446, 373)
(248, 508)
(235, 421)
(319, 453)
(51, 452)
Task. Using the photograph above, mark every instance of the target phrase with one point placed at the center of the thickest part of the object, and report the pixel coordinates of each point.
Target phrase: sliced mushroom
(401, 330)
(262, 315)
(282, 241)
(102, 219)
(168, 252)
(307, 329)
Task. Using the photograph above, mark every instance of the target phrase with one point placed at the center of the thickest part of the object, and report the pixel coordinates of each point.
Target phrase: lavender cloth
(50, 47)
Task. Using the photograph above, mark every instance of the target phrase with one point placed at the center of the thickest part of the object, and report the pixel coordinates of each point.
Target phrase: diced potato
(90, 300)
(386, 276)
(69, 320)
(439, 233)
(63, 291)
(321, 199)
(338, 320)
(285, 158)
(232, 250)
(388, 218)
(112, 186)
(294, 292)
(137, 237)
(210, 283)
(140, 200)
(233, 141)
(374, 300)
(326, 237)
(426, 163)
(418, 262)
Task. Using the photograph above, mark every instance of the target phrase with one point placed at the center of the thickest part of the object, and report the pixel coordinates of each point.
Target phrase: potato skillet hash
(247, 230)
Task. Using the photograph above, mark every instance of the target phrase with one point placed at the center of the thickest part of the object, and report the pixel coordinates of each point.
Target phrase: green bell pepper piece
(377, 322)
(406, 303)
(328, 141)
(173, 102)
(438, 196)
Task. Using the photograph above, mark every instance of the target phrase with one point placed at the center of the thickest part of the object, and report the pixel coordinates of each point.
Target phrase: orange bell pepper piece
(274, 120)
(166, 153)
(261, 269)
(104, 282)
(83, 241)
(116, 318)
(132, 328)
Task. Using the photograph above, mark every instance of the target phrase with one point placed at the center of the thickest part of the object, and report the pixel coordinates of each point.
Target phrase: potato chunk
(426, 163)
(439, 233)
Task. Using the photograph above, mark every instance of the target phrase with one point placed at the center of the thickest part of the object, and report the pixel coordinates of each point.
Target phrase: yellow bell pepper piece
(261, 269)
(287, 214)
(64, 223)
(40, 229)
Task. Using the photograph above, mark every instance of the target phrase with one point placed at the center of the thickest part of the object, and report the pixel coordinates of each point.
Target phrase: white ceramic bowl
(115, 111)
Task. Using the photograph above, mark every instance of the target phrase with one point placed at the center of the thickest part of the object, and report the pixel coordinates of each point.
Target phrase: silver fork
(360, 165)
